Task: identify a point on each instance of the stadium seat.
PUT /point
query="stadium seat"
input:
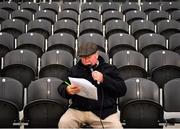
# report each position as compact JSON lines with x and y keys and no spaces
{"x":111,"y":15}
{"x":61,"y":41}
{"x":141,"y":27}
{"x":52,"y":6}
{"x":171,"y":102}
{"x":66,"y":26}
{"x":90,"y":15}
{"x":147,"y":7}
{"x":168,"y":28}
{"x":40,"y":26}
{"x":129,"y":6}
{"x":20,"y":65}
{"x":134,"y":15}
{"x":23,"y":15}
{"x":109,"y":6}
{"x":140,"y":107}
{"x":151,"y":42}
{"x":90,"y":26}
{"x":11,"y":102}
{"x":13,"y":26}
{"x":70,"y":6}
{"x":120,"y":41}
{"x":6,"y":43}
{"x":157,"y":16}
{"x":93,"y":37}
{"x":164,"y":65}
{"x":44,"y":104}
{"x":89,"y":6}
{"x":68,"y":15}
{"x":130,"y":64}
{"x":170,"y":6}
{"x":31,"y":6}
{"x":174,"y":43}
{"x":34,"y":42}
{"x":176,"y":15}
{"x":8,"y":6}
{"x":56,"y":63}
{"x":116,"y":26}
{"x":3,"y":15}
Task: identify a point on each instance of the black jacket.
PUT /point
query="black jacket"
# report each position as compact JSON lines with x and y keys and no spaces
{"x":112,"y":87}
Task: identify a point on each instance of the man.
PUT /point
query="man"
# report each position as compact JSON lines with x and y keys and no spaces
{"x":101,"y":113}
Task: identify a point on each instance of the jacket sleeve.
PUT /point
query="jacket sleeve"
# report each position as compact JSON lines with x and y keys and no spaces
{"x":113,"y":82}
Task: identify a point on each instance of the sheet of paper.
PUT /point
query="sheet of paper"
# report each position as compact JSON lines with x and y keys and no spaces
{"x":88,"y":90}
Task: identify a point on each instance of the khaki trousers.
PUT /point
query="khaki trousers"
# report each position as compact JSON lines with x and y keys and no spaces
{"x":73,"y":118}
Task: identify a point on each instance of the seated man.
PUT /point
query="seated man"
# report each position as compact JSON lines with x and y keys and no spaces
{"x":101,"y":113}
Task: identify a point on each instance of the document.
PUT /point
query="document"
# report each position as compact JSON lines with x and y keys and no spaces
{"x":87,"y":89}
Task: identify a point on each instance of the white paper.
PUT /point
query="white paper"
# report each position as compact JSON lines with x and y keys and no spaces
{"x":87,"y":89}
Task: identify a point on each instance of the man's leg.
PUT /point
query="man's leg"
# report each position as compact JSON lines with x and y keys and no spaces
{"x":111,"y":121}
{"x":71,"y":119}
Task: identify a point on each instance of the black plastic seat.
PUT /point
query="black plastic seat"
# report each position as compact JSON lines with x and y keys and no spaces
{"x":151,"y":42}
{"x":170,"y":6}
{"x":141,"y":27}
{"x":23,"y":15}
{"x":171,"y":102}
{"x":174,"y":43}
{"x":31,"y":6}
{"x":11,"y":102}
{"x":176,"y":15}
{"x":109,"y":6}
{"x":44,"y":104}
{"x":93,"y":37}
{"x":40,"y":26}
{"x":7,"y":43}
{"x":66,"y":26}
{"x":56,"y":63}
{"x":164,"y":65}
{"x":13,"y":26}
{"x":140,"y":107}
{"x":8,"y":6}
{"x":116,"y":26}
{"x":168,"y":28}
{"x":3,"y":15}
{"x":20,"y":65}
{"x":68,"y":15}
{"x":34,"y":42}
{"x":134,"y":15}
{"x":61,"y":41}
{"x":70,"y":6}
{"x":120,"y":41}
{"x":129,"y":6}
{"x":90,"y":6}
{"x":130,"y":64}
{"x":53,"y":6}
{"x":147,"y":7}
{"x":90,"y":15}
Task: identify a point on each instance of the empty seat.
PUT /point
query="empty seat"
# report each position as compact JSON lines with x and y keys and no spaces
{"x":109,"y":6}
{"x":147,"y":7}
{"x":129,"y":6}
{"x":40,"y":26}
{"x":13,"y":26}
{"x":176,"y":15}
{"x":171,"y":102}
{"x":56,"y":63}
{"x":90,"y":15}
{"x":174,"y":43}
{"x":31,"y":6}
{"x":20,"y":65}
{"x":11,"y":102}
{"x":140,"y":107}
{"x":120,"y":41}
{"x":70,"y":6}
{"x":164,"y":65}
{"x":90,"y":26}
{"x":141,"y":27}
{"x":53,"y":6}
{"x":33,"y":42}
{"x":93,"y":37}
{"x":8,"y":6}
{"x":90,"y":6}
{"x":130,"y":64}
{"x":170,"y":6}
{"x":6,"y":43}
{"x":168,"y":27}
{"x":23,"y":15}
{"x":134,"y":15}
{"x":46,"y":14}
{"x":151,"y":42}
{"x":156,"y":16}
{"x":104,"y":56}
{"x":68,"y":15}
{"x":116,"y":26}
{"x":111,"y":15}
{"x":61,"y":41}
{"x":3,"y":15}
{"x":44,"y":104}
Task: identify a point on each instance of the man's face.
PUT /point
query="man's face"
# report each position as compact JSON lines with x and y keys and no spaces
{"x":90,"y":60}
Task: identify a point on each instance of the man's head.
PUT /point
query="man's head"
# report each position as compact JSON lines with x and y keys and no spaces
{"x":88,"y":53}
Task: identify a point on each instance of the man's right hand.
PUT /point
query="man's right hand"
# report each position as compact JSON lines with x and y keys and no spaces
{"x":72,"y":89}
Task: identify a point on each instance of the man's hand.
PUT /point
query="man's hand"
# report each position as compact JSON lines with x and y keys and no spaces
{"x":98,"y":76}
{"x":72,"y":89}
